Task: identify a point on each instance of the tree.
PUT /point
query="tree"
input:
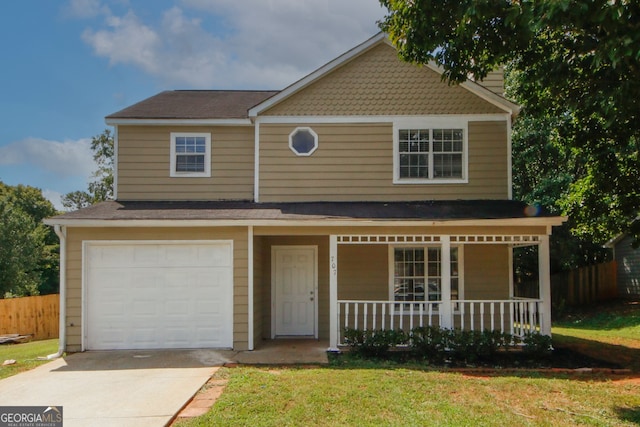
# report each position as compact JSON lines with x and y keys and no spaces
{"x":543,"y":172}
{"x":578,"y":67}
{"x":100,"y":188}
{"x":28,"y":249}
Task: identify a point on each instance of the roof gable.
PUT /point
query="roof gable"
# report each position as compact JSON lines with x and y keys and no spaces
{"x":356,"y":83}
{"x":371,"y":80}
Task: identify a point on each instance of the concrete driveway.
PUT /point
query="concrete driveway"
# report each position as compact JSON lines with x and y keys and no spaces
{"x":115,"y":388}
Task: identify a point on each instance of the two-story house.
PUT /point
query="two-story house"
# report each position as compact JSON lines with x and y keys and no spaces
{"x":369,"y":194}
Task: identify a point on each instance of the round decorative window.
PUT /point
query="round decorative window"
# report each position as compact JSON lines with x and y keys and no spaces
{"x":303,"y":141}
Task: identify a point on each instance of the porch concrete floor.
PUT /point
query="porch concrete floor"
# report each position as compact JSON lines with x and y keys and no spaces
{"x":285,"y":352}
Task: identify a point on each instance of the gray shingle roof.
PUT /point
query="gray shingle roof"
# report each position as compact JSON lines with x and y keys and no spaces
{"x":240,"y":210}
{"x":195,"y":104}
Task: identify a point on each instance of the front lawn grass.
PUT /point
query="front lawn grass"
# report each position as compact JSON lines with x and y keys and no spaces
{"x":25,"y":355}
{"x":387,"y":393}
{"x":606,"y":331}
{"x":261,"y":396}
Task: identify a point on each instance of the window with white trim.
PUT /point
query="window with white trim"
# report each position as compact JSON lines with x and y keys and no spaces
{"x":190,"y":155}
{"x":303,"y":141}
{"x":430,"y":152}
{"x":417,"y":273}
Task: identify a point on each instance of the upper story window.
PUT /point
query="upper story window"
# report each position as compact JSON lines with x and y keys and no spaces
{"x":190,"y":154}
{"x":430,"y":152}
{"x":303,"y":141}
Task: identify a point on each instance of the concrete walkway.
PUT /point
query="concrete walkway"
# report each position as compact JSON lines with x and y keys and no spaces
{"x":138,"y":387}
{"x":116,"y":388}
{"x":285,"y":352}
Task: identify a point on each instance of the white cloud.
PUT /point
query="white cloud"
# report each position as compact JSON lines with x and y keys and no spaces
{"x":235,"y":44}
{"x":127,"y":41}
{"x":63,"y":159}
{"x":54,"y":197}
{"x":85,"y":8}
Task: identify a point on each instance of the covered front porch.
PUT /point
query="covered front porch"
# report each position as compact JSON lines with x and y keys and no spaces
{"x":426,"y":279}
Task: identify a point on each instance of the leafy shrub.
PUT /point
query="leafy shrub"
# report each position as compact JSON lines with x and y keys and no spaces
{"x":489,"y":342}
{"x":373,"y":343}
{"x":537,"y":345}
{"x":438,"y":345}
{"x":429,"y":342}
{"x":469,"y":346}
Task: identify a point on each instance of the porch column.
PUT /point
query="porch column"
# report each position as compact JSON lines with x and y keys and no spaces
{"x":446,"y":313}
{"x":544,"y":282}
{"x":333,"y":293}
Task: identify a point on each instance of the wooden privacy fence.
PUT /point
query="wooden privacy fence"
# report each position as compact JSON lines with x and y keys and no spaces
{"x":36,"y":316}
{"x":586,"y":285}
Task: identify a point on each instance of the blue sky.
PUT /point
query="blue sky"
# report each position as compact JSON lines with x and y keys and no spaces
{"x":67,"y":64}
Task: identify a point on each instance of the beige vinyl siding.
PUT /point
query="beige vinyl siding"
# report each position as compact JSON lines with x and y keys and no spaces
{"x":265,"y":286}
{"x":363,"y":273}
{"x":75,"y":237}
{"x":258,"y":290}
{"x":495,"y":81}
{"x":486,"y":272}
{"x":354,"y":162}
{"x":377,"y":82}
{"x":144,"y":156}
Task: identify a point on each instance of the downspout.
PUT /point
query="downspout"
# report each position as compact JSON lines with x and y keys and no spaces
{"x":62,"y":330}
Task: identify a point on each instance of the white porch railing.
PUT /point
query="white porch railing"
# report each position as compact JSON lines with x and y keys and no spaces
{"x":514,"y":316}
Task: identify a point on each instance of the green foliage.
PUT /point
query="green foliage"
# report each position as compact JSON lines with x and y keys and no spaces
{"x":373,"y":343}
{"x":429,"y":343}
{"x":544,"y":167}
{"x":437,"y":345}
{"x":28,"y":248}
{"x":575,"y":68}
{"x":469,"y":346}
{"x":537,"y":345}
{"x":101,"y":186}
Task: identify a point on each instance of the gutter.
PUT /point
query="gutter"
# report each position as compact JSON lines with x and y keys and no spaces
{"x":316,"y":222}
{"x":61,"y":231}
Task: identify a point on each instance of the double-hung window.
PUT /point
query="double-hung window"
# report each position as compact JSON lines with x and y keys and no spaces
{"x":190,"y":155}
{"x":430,"y":152}
{"x":417,"y":273}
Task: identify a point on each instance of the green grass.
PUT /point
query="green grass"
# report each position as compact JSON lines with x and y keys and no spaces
{"x":372,"y":393}
{"x":614,"y":320}
{"x":25,"y":355}
{"x":607,"y":332}
{"x":413,"y":397}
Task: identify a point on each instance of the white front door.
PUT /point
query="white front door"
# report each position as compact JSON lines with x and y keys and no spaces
{"x":294,"y":290}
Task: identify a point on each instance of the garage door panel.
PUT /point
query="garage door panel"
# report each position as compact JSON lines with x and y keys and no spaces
{"x":179,"y":308}
{"x":159,"y":295}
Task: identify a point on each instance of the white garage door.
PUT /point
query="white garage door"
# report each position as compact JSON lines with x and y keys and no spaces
{"x":146,"y":295}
